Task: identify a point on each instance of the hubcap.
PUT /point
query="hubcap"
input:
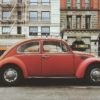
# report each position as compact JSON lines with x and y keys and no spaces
{"x":95,"y":75}
{"x":10,"y":75}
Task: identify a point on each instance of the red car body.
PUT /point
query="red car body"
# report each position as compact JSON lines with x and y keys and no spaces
{"x":55,"y":64}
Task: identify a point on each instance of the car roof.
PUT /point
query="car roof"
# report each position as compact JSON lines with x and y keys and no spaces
{"x":39,"y":38}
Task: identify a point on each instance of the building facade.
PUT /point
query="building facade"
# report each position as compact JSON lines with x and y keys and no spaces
{"x":81,"y":18}
{"x":20,"y":19}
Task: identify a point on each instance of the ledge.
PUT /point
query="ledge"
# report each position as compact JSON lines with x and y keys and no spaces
{"x":6,"y":36}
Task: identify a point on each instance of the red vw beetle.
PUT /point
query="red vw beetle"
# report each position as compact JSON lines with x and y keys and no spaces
{"x":47,"y":57}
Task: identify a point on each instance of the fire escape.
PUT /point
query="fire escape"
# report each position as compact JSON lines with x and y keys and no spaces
{"x":16,"y":14}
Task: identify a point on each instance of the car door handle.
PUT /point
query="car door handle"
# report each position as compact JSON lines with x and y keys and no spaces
{"x":45,"y":56}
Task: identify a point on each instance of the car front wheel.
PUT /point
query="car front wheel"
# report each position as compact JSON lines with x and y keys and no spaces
{"x":93,"y":74}
{"x":11,"y":75}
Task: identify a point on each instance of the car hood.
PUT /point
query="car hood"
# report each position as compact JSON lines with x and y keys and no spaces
{"x":83,"y":54}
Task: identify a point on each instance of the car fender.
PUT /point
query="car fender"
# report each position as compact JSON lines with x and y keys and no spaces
{"x":16,"y":61}
{"x":84,"y":65}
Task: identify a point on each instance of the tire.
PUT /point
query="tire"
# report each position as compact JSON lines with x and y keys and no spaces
{"x":11,"y":75}
{"x":92,"y":75}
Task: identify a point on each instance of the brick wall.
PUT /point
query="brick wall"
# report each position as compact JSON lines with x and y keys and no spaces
{"x":94,"y":4}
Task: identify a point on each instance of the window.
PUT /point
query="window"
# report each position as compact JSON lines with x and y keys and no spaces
{"x":68,"y":4}
{"x":46,"y":16}
{"x":87,"y":22}
{"x":31,"y":47}
{"x":78,"y":22}
{"x":19,"y":15}
{"x":87,"y":4}
{"x":45,"y":2}
{"x":33,"y":2}
{"x":19,"y":1}
{"x":5,"y":29}
{"x":33,"y":30}
{"x":33,"y":15}
{"x":5,"y":15}
{"x":54,"y":47}
{"x":5,"y":1}
{"x":69,"y":22}
{"x":45,"y":31}
{"x":19,"y":30}
{"x":78,"y":4}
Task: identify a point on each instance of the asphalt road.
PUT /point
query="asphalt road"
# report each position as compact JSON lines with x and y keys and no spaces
{"x":50,"y":89}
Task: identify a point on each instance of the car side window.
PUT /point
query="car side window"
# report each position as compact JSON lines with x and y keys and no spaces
{"x":30,"y":47}
{"x":54,"y":47}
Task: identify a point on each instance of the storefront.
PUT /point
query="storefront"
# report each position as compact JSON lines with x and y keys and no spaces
{"x":89,"y":38}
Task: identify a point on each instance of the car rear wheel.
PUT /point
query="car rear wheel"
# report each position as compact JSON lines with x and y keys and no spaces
{"x":11,"y":75}
{"x":93,"y":74}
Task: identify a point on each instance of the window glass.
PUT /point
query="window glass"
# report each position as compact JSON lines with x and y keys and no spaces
{"x":5,"y":29}
{"x":69,"y":22}
{"x":33,"y":31}
{"x":78,"y":22}
{"x":45,"y":2}
{"x":54,"y":47}
{"x":45,"y":31}
{"x":19,"y":1}
{"x":5,"y":1}
{"x":31,"y":47}
{"x":78,"y":4}
{"x":68,"y":3}
{"x":33,"y":2}
{"x":5,"y":15}
{"x":87,"y":22}
{"x":87,"y":4}
{"x":33,"y":15}
{"x":45,"y":15}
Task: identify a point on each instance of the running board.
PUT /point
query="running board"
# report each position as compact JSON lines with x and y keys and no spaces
{"x":53,"y":77}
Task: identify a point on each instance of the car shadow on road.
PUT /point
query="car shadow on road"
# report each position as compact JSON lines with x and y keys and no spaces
{"x":50,"y":83}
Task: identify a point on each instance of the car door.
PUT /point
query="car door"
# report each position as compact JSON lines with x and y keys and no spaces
{"x":30,"y":54}
{"x":57,"y":59}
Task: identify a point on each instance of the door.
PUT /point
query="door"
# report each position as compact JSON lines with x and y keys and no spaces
{"x":57,"y":59}
{"x":30,"y":54}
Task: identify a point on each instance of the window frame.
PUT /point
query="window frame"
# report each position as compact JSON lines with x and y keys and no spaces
{"x":45,"y":3}
{"x":20,"y":45}
{"x":87,"y":3}
{"x":3,"y":17}
{"x":5,"y":2}
{"x":33,"y":3}
{"x":33,"y":32}
{"x":43,"y":18}
{"x":70,"y":25}
{"x":78,"y":4}
{"x":86,"y":23}
{"x":55,"y":52}
{"x":67,"y":5}
{"x":32,"y":18}
{"x":42,"y":33}
{"x":5,"y":27}
{"x":80,"y":17}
